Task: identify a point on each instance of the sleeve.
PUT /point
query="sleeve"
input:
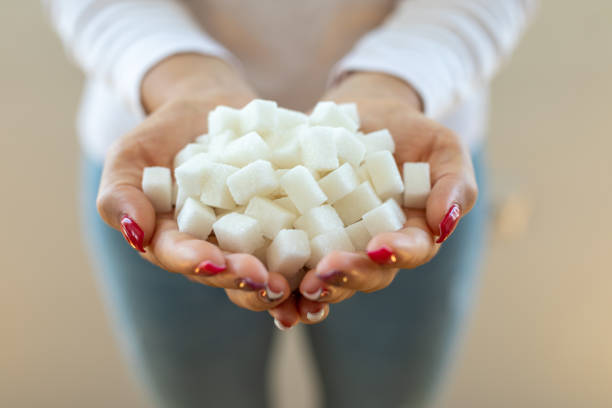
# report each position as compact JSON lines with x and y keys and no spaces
{"x":445,"y":49}
{"x":119,"y":41}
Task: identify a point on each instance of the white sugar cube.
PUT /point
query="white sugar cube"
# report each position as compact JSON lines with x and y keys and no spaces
{"x":223,"y":118}
{"x":359,"y":235}
{"x":386,"y":217}
{"x":288,"y":253}
{"x":214,"y":191}
{"x":287,"y":204}
{"x":157,"y":186}
{"x":196,"y":219}
{"x":417,"y":185}
{"x":321,"y":245}
{"x":339,"y":183}
{"x":203,"y":139}
{"x":352,"y":206}
{"x":350,"y":109}
{"x":302,"y":189}
{"x":287,"y":119}
{"x":188,"y":152}
{"x":379,"y":140}
{"x":219,"y":141}
{"x":246,"y":149}
{"x":287,"y":154}
{"x":238,"y":233}
{"x":329,"y":114}
{"x":318,"y":220}
{"x":258,"y":116}
{"x":257,"y":178}
{"x":181,"y":197}
{"x":319,"y":148}
{"x":350,"y":148}
{"x":271,"y":216}
{"x":384,"y":174}
{"x":362,"y":173}
{"x":190,"y":175}
{"x":261,"y":253}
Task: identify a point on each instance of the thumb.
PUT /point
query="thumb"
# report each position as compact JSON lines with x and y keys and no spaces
{"x":121,"y":202}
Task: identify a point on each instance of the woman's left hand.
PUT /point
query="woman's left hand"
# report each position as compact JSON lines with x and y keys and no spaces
{"x":387,"y":102}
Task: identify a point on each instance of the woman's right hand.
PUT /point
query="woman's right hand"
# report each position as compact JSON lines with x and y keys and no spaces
{"x":178,"y":93}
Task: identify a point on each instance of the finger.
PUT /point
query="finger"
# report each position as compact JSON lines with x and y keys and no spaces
{"x":408,"y":248}
{"x":353,"y":271}
{"x":179,"y":252}
{"x":286,"y":314}
{"x":316,"y":290}
{"x":258,"y":298}
{"x":121,"y":202}
{"x":312,"y":312}
{"x":454,"y":190}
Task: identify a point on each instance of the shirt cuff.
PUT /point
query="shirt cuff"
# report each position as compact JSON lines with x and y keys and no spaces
{"x":136,"y":61}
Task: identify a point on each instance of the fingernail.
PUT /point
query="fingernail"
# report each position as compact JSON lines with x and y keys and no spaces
{"x":132,"y":233}
{"x":280,"y":326}
{"x":209,"y":269}
{"x":315,"y":317}
{"x":449,"y":222}
{"x":382,"y":255}
{"x":336,"y":278}
{"x":319,"y":294}
{"x":248,"y":285}
{"x":269,"y":295}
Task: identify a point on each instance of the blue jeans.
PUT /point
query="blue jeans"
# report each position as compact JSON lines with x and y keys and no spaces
{"x":191,"y":347}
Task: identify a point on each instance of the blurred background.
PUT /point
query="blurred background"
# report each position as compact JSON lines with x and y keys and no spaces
{"x":541,"y":334}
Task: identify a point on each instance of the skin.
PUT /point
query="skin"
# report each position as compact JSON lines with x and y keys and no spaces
{"x":179,"y":92}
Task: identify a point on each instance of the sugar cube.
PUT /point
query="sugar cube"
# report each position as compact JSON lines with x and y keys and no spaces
{"x":287,"y":154}
{"x":238,"y":233}
{"x":321,"y":245}
{"x":196,"y":219}
{"x":203,"y":139}
{"x":246,"y":149}
{"x":339,"y":183}
{"x":288,"y":253}
{"x":223,"y":118}
{"x":384,"y":174}
{"x":417,"y":185}
{"x":271,"y":216}
{"x":188,"y":152}
{"x":362,"y":173}
{"x":379,"y":140}
{"x":219,"y":141}
{"x":386,"y":217}
{"x":287,"y":119}
{"x":302,"y":189}
{"x":350,"y":148}
{"x":352,"y":206}
{"x":359,"y":235}
{"x":261,"y":253}
{"x":214,"y":191}
{"x":350,"y":109}
{"x":319,"y":148}
{"x":257,"y":178}
{"x":318,"y":220}
{"x":287,"y":204}
{"x":329,"y":114}
{"x":157,"y":186}
{"x":181,"y":197}
{"x":259,"y":116}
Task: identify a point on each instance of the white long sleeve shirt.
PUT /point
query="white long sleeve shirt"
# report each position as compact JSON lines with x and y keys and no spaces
{"x":448,"y":50}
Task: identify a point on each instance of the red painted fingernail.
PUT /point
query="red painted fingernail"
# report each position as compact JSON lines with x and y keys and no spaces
{"x":449,"y":223}
{"x":281,"y":326}
{"x":210,"y":269}
{"x":248,"y":285}
{"x":132,"y":233}
{"x":336,"y":278}
{"x":382,"y":255}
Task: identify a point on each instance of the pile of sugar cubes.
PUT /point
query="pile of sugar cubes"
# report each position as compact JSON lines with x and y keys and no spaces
{"x":288,"y":187}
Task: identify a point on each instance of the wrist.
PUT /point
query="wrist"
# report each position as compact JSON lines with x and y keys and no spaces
{"x":190,"y":77}
{"x":359,"y":84}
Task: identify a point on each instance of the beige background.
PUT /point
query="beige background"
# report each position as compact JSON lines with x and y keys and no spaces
{"x":541,"y":335}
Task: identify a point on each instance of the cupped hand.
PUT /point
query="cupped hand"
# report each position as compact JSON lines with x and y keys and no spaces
{"x":387,"y":102}
{"x":178,"y":93}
